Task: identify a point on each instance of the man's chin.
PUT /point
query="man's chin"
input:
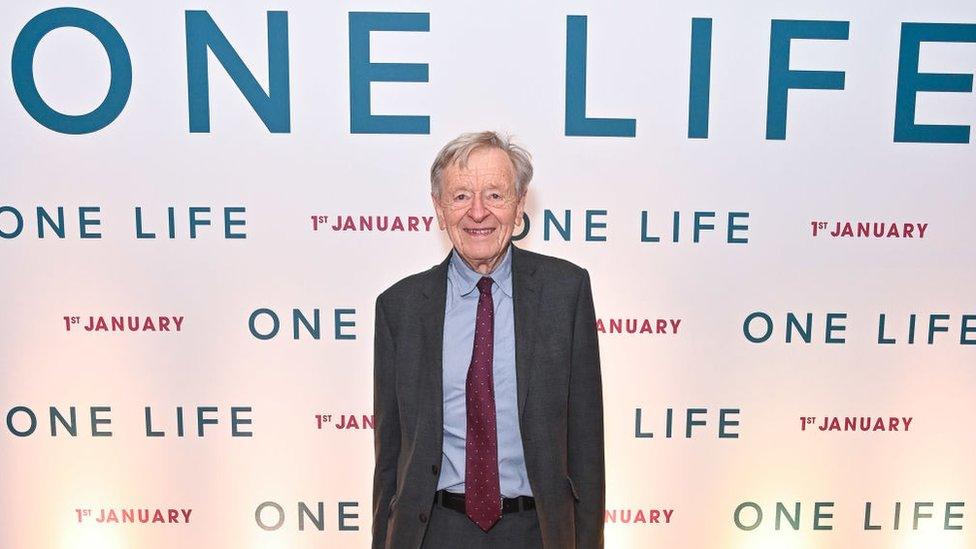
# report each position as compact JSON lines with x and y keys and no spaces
{"x":475,"y":256}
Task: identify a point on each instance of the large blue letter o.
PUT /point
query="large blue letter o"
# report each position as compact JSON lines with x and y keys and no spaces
{"x":22,"y":66}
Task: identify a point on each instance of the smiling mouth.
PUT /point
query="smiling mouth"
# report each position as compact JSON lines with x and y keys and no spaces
{"x":479,"y":232}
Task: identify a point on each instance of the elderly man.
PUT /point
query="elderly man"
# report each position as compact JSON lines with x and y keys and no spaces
{"x":487,"y":392}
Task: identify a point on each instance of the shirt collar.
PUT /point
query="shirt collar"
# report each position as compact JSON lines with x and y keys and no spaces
{"x":466,"y":279}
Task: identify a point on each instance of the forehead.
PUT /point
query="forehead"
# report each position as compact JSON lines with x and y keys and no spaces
{"x":485,"y":166}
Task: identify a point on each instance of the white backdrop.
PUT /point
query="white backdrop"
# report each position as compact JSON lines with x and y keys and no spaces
{"x":501,"y":66}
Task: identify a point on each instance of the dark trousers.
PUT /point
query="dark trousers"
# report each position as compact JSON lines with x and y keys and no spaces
{"x":449,"y":529}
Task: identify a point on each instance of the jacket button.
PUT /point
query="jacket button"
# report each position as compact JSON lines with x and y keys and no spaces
{"x":423,"y":517}
{"x":435,"y":469}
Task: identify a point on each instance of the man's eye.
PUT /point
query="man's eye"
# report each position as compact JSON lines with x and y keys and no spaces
{"x":495,"y":196}
{"x":460,"y":196}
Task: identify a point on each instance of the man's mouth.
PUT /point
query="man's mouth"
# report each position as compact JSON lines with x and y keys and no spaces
{"x":480,"y":232}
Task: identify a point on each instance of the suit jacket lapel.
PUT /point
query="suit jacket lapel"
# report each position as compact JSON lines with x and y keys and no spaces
{"x":525,"y":295}
{"x":432,"y":317}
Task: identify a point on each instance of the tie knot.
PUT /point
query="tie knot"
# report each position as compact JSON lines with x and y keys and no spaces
{"x":484,"y":285}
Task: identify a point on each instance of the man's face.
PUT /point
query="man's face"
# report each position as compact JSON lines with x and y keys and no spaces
{"x":479,"y":208}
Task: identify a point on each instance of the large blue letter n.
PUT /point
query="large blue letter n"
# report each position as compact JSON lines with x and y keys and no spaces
{"x":273,"y":107}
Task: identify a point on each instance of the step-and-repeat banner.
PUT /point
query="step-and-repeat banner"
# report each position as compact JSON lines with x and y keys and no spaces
{"x":200,"y":202}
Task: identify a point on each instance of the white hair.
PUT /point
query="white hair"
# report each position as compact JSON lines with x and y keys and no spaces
{"x":458,"y":149}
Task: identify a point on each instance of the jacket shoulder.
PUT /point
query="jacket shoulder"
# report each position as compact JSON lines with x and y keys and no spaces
{"x":551,"y":267}
{"x":411,"y":285}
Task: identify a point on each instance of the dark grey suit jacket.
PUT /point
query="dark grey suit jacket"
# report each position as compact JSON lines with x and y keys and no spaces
{"x":560,"y":401}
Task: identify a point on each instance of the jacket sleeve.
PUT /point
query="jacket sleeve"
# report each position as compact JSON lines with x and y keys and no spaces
{"x":386,"y":434}
{"x":585,"y":420}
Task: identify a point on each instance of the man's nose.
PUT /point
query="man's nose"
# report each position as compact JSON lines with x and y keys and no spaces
{"x":477,"y":212}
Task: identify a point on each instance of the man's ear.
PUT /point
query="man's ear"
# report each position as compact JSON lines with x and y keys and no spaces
{"x":438,"y":211}
{"x":519,"y":209}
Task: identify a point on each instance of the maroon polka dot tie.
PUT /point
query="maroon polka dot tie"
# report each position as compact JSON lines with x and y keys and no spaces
{"x":482,"y":495}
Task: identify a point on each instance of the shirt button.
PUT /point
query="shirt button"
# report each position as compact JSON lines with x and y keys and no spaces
{"x":435,"y":469}
{"x":423,"y":517}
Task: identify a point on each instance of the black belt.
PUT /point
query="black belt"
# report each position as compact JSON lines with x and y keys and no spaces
{"x":455,"y":502}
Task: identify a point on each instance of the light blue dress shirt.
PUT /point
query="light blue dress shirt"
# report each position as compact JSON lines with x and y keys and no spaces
{"x":459,"y":320}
